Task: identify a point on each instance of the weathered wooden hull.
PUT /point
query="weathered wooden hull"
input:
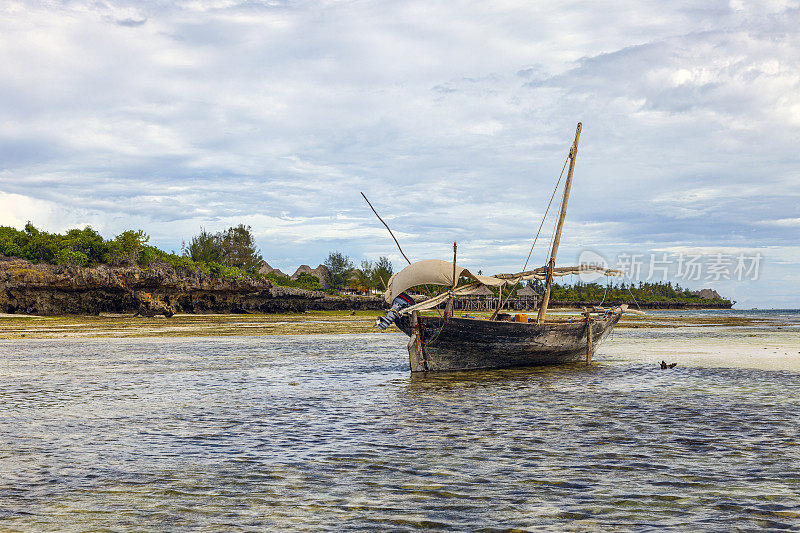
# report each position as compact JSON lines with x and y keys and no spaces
{"x":468,"y":344}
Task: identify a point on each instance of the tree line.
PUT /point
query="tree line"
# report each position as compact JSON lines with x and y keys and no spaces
{"x":78,"y":247}
{"x":235,"y":247}
{"x":613,"y":291}
{"x":621,"y":291}
{"x":230,"y":253}
{"x":341,"y":273}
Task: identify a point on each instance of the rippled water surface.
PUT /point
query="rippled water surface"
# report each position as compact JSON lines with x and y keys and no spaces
{"x":333,"y":432}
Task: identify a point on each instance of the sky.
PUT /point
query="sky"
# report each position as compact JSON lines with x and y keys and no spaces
{"x":453,"y":117}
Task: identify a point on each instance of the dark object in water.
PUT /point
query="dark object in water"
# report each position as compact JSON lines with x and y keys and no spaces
{"x":402,"y":301}
{"x":665,"y":365}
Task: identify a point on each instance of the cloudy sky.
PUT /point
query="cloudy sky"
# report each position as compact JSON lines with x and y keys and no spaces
{"x":453,"y":117}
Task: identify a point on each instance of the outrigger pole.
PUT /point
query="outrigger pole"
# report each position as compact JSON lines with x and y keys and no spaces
{"x":387,"y":227}
{"x":390,"y":233}
{"x":573,"y":153}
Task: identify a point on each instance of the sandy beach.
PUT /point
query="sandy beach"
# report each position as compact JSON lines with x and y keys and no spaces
{"x":761,"y":340}
{"x":311,"y":322}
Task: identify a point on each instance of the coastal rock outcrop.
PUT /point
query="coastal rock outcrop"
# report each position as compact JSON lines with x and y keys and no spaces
{"x":707,"y":294}
{"x":46,"y":289}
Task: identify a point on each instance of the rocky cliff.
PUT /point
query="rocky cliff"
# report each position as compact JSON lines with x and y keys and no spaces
{"x":707,"y":294}
{"x":45,"y":289}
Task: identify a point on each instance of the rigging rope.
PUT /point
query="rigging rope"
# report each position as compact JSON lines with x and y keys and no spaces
{"x":443,"y":319}
{"x":634,"y":298}
{"x":553,"y":237}
{"x":442,"y":323}
{"x":545,"y":214}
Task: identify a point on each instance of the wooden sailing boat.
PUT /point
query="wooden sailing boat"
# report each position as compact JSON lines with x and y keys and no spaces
{"x":446,"y":343}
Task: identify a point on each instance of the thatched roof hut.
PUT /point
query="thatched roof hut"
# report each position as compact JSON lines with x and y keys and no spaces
{"x":527,"y":291}
{"x":483,"y":290}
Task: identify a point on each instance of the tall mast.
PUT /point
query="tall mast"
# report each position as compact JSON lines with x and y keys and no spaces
{"x":448,"y":308}
{"x":573,"y":153}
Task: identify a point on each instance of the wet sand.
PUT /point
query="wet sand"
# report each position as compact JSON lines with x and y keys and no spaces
{"x":309,"y":323}
{"x":332,"y":432}
{"x":758,"y":340}
{"x":239,"y":423}
{"x":316,"y":322}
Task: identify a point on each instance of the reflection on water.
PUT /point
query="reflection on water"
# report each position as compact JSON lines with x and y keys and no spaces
{"x":332,"y":432}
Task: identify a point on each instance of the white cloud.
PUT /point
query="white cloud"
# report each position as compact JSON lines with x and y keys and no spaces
{"x":783,"y":222}
{"x":16,"y":210}
{"x":454,"y":117}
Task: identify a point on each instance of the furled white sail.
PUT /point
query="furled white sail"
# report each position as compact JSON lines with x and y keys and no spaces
{"x":437,"y":272}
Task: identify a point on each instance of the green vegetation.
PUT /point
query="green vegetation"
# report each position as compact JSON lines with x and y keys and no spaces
{"x":340,"y":268}
{"x":77,"y":247}
{"x":620,"y":291}
{"x":230,"y":254}
{"x":303,"y":281}
{"x":643,"y":292}
{"x":596,"y":293}
{"x":371,"y":276}
{"x":235,"y":247}
{"x":307,"y":281}
{"x":380,"y":272}
{"x":86,"y":247}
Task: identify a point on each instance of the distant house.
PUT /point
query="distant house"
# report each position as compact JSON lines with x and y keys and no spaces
{"x":483,"y":290}
{"x":321,"y":273}
{"x":300,"y":270}
{"x":266,"y":269}
{"x":527,"y":291}
{"x":527,"y":298}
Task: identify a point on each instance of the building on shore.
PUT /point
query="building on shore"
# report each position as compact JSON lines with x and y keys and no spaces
{"x":321,"y":273}
{"x":266,"y":269}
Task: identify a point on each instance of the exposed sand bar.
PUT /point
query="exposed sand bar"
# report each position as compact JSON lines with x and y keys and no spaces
{"x":759,"y":348}
{"x":312,"y":322}
{"x":331,"y":322}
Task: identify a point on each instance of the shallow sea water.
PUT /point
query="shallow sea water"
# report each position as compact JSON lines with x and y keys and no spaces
{"x":332,"y":432}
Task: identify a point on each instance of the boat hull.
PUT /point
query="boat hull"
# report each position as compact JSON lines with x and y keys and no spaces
{"x":468,"y":344}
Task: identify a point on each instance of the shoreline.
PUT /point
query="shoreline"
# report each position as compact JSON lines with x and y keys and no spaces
{"x":316,"y":322}
{"x":43,"y":289}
